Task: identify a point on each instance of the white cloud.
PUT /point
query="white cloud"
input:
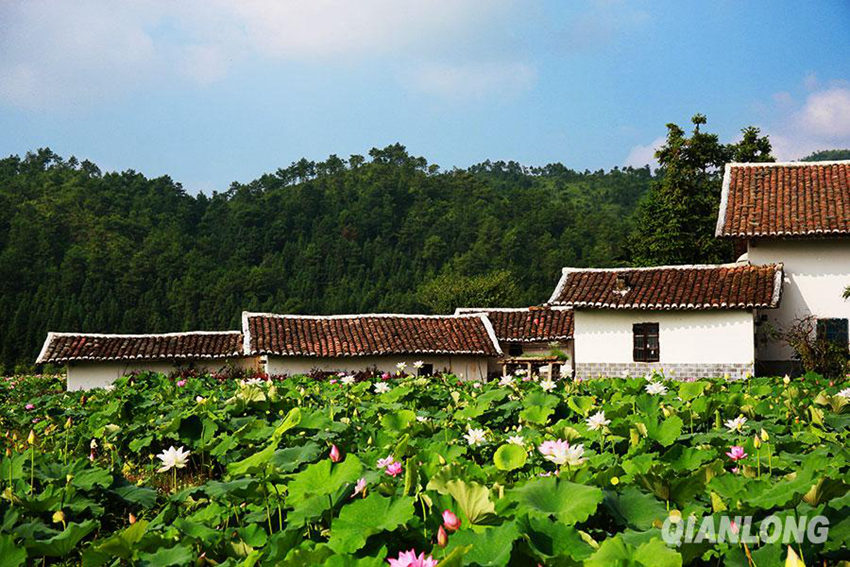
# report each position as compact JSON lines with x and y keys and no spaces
{"x":640,"y":156}
{"x":53,"y":51}
{"x":821,"y":122}
{"x":474,"y":80}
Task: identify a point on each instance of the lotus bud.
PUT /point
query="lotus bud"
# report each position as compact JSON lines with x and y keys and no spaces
{"x":450,"y":520}
{"x":764,"y":436}
{"x":132,"y":519}
{"x":31,"y":437}
{"x":68,"y":423}
{"x":786,"y":379}
{"x":756,"y":442}
{"x":334,"y":454}
{"x":8,"y":452}
{"x":442,"y":537}
{"x":59,"y":517}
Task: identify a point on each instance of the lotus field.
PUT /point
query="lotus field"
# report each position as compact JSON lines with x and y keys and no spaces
{"x":406,"y":471}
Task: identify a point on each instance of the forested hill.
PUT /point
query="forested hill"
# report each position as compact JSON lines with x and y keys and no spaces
{"x":82,"y":250}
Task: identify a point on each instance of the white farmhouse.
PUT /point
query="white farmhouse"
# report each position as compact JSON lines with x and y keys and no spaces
{"x":97,"y":360}
{"x":797,"y":214}
{"x":690,"y":321}
{"x":299,"y":344}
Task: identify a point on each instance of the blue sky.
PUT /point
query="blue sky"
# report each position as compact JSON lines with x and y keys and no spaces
{"x":220,"y":90}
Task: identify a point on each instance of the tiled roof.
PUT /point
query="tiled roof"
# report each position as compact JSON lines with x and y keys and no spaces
{"x":785,"y":199}
{"x":67,"y":347}
{"x":528,"y":324}
{"x":363,"y":335}
{"x":728,"y":286}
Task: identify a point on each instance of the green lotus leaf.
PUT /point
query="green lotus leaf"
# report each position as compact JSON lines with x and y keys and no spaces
{"x":490,"y":546}
{"x":569,"y":502}
{"x":366,"y":517}
{"x":510,"y":457}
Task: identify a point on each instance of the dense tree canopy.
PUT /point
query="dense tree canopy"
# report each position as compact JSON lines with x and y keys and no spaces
{"x":82,"y":250}
{"x":675,"y":222}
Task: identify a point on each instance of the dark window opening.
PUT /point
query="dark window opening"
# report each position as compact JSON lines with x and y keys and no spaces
{"x":834,"y":331}
{"x":515,"y":349}
{"x":426,"y":370}
{"x":646,"y":347}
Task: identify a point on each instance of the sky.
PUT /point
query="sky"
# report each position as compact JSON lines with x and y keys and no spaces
{"x":215,"y":91}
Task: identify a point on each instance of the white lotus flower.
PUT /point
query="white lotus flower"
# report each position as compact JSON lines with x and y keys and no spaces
{"x":548,"y":384}
{"x":475,"y":436}
{"x":736,"y":424}
{"x":401,"y":366}
{"x":348,"y":380}
{"x":506,"y":381}
{"x":845,"y":393}
{"x":381,"y":387}
{"x":597,"y":421}
{"x":656,"y":388}
{"x":575,"y":455}
{"x":418,"y":364}
{"x":253,"y":382}
{"x":173,"y":458}
{"x":516,"y":440}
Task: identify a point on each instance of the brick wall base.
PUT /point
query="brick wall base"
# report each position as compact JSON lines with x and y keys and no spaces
{"x":681,"y":371}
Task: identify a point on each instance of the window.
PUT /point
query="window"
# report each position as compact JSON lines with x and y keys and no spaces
{"x":426,"y":370}
{"x":645,"y":342}
{"x":834,"y":331}
{"x":514,"y":349}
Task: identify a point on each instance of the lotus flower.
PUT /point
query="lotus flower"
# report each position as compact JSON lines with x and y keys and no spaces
{"x":410,"y":559}
{"x":29,"y":406}
{"x":506,"y":381}
{"x":401,"y":366}
{"x":181,"y":383}
{"x":656,"y":388}
{"x":394,"y":469}
{"x":173,"y":458}
{"x":845,"y":393}
{"x":475,"y":437}
{"x":736,"y":453}
{"x":597,"y":421}
{"x":548,"y":384}
{"x":360,"y":487}
{"x":442,"y":537}
{"x":418,"y":364}
{"x":334,"y":454}
{"x":385,"y":376}
{"x":516,"y":440}
{"x":561,"y":453}
{"x":451,"y":521}
{"x":383,"y":463}
{"x":381,"y":388}
{"x":736,"y":424}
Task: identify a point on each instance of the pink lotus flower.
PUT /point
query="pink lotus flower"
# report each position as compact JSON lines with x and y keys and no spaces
{"x":334,"y":454}
{"x":383,"y":463}
{"x":394,"y":469}
{"x":736,"y":453}
{"x":442,"y":537}
{"x":385,"y":376}
{"x":181,"y":383}
{"x":410,"y":559}
{"x":451,"y":521}
{"x":29,"y":406}
{"x":360,"y":487}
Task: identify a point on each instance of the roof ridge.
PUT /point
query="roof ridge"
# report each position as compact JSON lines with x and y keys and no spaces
{"x":787,"y":163}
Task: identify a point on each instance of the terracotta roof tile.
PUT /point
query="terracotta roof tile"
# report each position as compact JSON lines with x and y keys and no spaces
{"x":363,"y":335}
{"x":789,"y":199}
{"x":67,"y":347}
{"x":729,"y":286}
{"x":533,"y":324}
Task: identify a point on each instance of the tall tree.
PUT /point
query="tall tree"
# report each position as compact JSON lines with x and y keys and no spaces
{"x":675,"y":221}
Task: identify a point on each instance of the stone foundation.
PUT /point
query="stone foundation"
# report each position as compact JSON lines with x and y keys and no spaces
{"x":679,"y":371}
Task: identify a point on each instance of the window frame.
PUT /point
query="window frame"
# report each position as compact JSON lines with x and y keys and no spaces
{"x":835,"y":330}
{"x":642,"y":335}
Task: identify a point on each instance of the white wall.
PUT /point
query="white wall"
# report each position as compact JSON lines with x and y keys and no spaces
{"x":465,"y":366}
{"x":693,"y":337}
{"x":94,"y":374}
{"x":816,"y":273}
